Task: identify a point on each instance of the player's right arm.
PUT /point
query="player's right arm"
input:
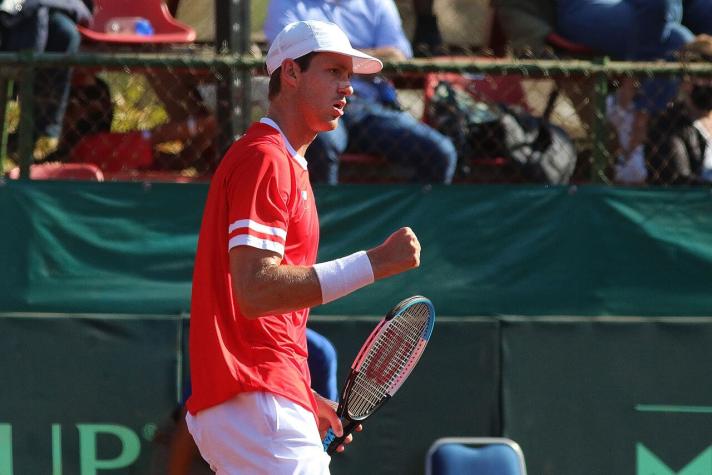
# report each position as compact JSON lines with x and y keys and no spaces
{"x":263,"y":286}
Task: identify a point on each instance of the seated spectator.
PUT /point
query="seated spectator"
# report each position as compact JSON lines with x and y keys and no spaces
{"x":526,"y":23}
{"x":45,"y":26}
{"x":679,"y":150}
{"x":427,"y":40}
{"x":87,"y":134}
{"x":199,"y":14}
{"x":640,"y":31}
{"x":630,"y":131}
{"x":191,"y":121}
{"x":527,"y":26}
{"x":634,"y":30}
{"x":372,"y":122}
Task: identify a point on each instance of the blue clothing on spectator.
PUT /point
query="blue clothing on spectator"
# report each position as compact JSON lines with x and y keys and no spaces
{"x":372,"y":122}
{"x":637,"y":30}
{"x":79,"y":11}
{"x":322,"y":365}
{"x":634,"y":29}
{"x":622,"y":29}
{"x":46,"y":26}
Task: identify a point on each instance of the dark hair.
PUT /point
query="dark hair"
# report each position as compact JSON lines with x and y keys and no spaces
{"x":701,"y":97}
{"x":275,"y":84}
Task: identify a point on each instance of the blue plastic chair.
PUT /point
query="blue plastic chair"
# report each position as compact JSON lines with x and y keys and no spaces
{"x":476,"y":456}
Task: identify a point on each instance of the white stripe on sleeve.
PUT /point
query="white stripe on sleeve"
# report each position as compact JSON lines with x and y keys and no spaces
{"x":252,"y":241}
{"x":260,"y":228}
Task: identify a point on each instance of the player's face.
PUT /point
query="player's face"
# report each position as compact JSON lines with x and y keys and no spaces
{"x":323,"y":90}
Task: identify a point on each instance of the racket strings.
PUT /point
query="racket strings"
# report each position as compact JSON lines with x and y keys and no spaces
{"x":389,"y":360}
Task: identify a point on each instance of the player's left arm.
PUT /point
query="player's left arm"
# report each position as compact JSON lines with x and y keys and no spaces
{"x":386,"y":53}
{"x":261,"y":285}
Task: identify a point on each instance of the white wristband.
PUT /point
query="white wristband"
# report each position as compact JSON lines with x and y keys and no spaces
{"x":342,"y":276}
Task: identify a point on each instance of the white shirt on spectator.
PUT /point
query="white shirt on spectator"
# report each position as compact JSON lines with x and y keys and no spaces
{"x":631,"y":169}
{"x":706,"y":172}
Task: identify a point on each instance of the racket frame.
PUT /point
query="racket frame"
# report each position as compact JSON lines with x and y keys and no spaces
{"x":331,"y":442}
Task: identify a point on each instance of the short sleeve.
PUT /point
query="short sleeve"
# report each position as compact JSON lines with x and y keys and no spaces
{"x":258,"y":194}
{"x":389,"y":28}
{"x":280,"y":13}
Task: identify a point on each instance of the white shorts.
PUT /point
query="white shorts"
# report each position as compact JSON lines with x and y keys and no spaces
{"x":259,"y":433}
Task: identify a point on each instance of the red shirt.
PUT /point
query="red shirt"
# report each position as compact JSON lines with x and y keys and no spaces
{"x":259,"y":196}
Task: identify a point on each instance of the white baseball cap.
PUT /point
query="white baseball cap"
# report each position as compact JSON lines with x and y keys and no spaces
{"x":303,"y":37}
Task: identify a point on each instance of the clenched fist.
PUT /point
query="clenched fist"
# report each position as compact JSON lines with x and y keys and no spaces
{"x":399,"y":253}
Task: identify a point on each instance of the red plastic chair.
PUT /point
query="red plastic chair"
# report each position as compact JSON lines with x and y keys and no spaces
{"x":61,"y":171}
{"x":115,"y":151}
{"x":488,"y":88}
{"x":154,"y":176}
{"x":568,"y":48}
{"x":166,"y":28}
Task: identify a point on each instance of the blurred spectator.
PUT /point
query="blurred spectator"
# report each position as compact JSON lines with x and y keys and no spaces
{"x":322,"y":363}
{"x":630,"y":131}
{"x":635,"y":30}
{"x":527,"y":26}
{"x":191,"y":120}
{"x":639,"y":30}
{"x":45,"y":26}
{"x":526,"y":23}
{"x":679,"y":150}
{"x":199,"y":14}
{"x":427,"y":40}
{"x":621,"y":29}
{"x":373,"y":122}
{"x":87,"y":137}
{"x":90,"y":110}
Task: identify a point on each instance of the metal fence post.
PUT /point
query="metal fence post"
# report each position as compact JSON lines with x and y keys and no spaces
{"x":598,"y":169}
{"x":6,"y":86}
{"x":232,"y":36}
{"x":26,"y":132}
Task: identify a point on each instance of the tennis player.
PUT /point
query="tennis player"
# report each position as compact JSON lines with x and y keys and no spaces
{"x":252,"y":410}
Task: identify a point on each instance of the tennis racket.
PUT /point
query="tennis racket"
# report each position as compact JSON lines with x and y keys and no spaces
{"x":382,"y":365}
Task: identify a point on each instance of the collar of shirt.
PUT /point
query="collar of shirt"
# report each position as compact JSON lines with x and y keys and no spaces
{"x":300,"y":160}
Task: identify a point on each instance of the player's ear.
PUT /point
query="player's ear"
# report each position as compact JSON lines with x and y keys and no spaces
{"x":290,"y":71}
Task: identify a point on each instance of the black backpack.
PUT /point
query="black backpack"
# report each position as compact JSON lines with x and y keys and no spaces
{"x":540,"y":150}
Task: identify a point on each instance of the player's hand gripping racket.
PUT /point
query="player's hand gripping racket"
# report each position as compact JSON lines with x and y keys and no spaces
{"x":383,"y":363}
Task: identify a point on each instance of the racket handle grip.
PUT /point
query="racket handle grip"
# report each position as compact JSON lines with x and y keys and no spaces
{"x":328,"y":439}
{"x":331,"y":442}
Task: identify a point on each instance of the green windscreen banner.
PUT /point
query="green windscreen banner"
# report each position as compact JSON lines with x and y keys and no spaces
{"x":487,"y":250}
{"x":612,"y":395}
{"x":98,"y":394}
{"x":87,"y":394}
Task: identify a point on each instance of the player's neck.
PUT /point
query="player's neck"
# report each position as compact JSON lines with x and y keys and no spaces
{"x":292,"y":126}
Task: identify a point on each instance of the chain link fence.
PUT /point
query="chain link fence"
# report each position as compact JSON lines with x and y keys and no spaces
{"x":147,"y":116}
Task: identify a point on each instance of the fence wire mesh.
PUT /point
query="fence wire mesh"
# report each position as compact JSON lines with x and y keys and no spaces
{"x":157,"y":116}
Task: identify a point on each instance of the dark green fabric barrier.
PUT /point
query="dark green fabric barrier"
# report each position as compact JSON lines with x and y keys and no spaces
{"x":95,"y":394}
{"x":487,"y":250}
{"x":535,"y":251}
{"x":98,"y":247}
{"x":86,"y":394}
{"x":613,"y":396}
